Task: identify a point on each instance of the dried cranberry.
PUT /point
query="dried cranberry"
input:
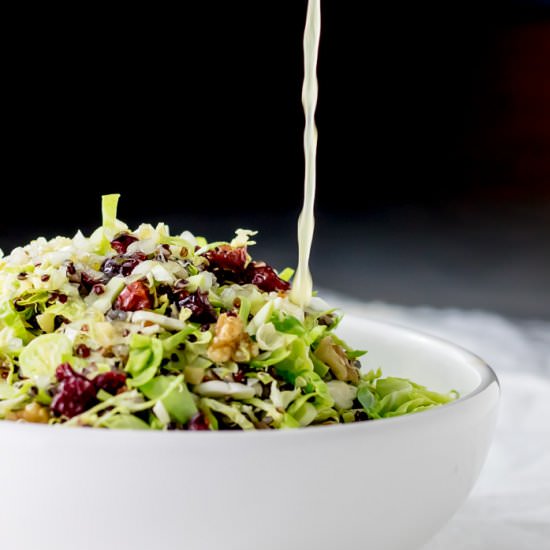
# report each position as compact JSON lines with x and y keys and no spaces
{"x":74,"y":393}
{"x":82,"y":350}
{"x":265,"y":277}
{"x":122,"y":241}
{"x":227,"y":257}
{"x":122,"y":264}
{"x":239,"y":376}
{"x":64,"y":371}
{"x":111,"y":381}
{"x":198,"y":422}
{"x":87,"y":282}
{"x":201,"y":310}
{"x":134,"y":297}
{"x":227,"y":263}
{"x":98,"y":288}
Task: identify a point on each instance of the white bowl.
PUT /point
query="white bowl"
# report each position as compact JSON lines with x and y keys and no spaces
{"x":388,"y":484}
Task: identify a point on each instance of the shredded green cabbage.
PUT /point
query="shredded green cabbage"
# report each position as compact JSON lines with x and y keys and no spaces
{"x":147,"y":330}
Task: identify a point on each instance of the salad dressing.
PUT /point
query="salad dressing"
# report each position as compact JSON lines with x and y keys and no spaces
{"x":302,"y":287}
{"x":129,"y":302}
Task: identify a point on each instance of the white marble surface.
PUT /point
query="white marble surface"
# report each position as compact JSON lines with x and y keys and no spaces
{"x":509,"y":509}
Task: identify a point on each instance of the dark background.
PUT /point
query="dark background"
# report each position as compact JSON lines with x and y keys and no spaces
{"x":434,"y":138}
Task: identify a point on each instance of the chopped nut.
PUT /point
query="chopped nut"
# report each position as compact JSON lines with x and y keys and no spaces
{"x":33,"y":412}
{"x":231,"y":341}
{"x":245,"y":351}
{"x":36,"y":413}
{"x":335,"y":357}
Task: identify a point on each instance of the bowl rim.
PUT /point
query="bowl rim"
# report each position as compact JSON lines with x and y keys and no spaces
{"x":487,"y":375}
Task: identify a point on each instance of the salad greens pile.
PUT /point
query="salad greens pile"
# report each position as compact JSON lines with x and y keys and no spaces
{"x":145,"y":330}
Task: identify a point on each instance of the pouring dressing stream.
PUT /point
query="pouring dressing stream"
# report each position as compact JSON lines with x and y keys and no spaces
{"x":302,"y":286}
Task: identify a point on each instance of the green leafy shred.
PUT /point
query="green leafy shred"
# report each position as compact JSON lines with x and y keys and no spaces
{"x":144,"y":359}
{"x":146,"y":330}
{"x":387,"y":397}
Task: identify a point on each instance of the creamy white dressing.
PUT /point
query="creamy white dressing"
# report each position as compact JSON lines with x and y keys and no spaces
{"x":302,"y":286}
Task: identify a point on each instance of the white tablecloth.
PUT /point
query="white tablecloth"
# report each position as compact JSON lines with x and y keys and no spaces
{"x":509,"y":508}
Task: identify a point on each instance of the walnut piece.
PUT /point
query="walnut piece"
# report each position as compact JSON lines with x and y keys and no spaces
{"x":335,"y":357}
{"x":231,"y":342}
{"x":33,"y":412}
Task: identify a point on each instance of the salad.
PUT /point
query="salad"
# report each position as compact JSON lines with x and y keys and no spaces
{"x":145,"y":330}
